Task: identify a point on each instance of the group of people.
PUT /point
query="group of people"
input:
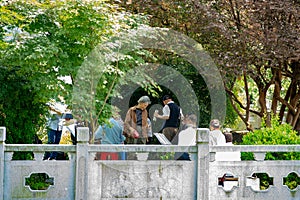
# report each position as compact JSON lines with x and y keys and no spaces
{"x":136,"y":128}
{"x":137,"y":125}
{"x":58,"y":118}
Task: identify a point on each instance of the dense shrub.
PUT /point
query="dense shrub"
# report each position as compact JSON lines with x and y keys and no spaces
{"x":276,"y":134}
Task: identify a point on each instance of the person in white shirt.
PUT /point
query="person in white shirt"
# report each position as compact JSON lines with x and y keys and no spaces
{"x":54,"y":127}
{"x":172,"y":114}
{"x":187,"y":136}
{"x":216,"y":137}
{"x":228,"y":156}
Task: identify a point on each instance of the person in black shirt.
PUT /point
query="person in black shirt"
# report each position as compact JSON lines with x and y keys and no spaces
{"x":172,"y":114}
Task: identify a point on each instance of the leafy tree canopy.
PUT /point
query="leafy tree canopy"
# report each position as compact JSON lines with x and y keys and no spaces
{"x":42,"y":42}
{"x":256,"y":42}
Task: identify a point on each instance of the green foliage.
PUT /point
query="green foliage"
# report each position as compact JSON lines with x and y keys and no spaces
{"x":265,"y":180}
{"x":167,"y":156}
{"x":47,"y":41}
{"x":276,"y":134}
{"x":42,"y":41}
{"x":291,"y":181}
{"x":39,"y":181}
{"x":22,"y":156}
{"x":231,"y":116}
{"x":36,"y":52}
{"x":19,"y":112}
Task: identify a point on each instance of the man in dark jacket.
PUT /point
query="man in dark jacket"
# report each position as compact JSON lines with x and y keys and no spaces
{"x":172,"y":114}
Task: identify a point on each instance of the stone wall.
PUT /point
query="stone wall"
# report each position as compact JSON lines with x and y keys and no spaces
{"x":84,"y":178}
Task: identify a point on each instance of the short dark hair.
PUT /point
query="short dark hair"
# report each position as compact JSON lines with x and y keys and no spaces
{"x":166,"y":97}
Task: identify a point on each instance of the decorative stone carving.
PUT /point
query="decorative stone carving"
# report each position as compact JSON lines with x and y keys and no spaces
{"x":165,"y":183}
{"x":259,"y":156}
{"x":142,"y":156}
{"x":38,"y":156}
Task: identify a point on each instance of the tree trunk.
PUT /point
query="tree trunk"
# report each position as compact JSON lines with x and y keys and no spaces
{"x":277,"y":89}
{"x":283,"y":105}
{"x":294,"y":96}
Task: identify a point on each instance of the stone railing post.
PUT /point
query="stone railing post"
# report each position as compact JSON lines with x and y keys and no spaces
{"x":2,"y":143}
{"x":203,"y":164}
{"x":82,"y":157}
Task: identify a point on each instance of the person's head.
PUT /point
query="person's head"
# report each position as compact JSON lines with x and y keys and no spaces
{"x":185,"y":119}
{"x":115,"y":112}
{"x":214,"y":124}
{"x":143,"y":102}
{"x":166,"y":99}
{"x":67,"y":116}
{"x":228,"y":137}
{"x":191,"y":119}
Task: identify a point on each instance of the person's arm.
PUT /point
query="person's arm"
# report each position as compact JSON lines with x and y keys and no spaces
{"x":98,"y":135}
{"x":166,"y":113}
{"x":128,"y":130}
{"x":181,"y":114}
{"x":118,"y":132}
{"x":55,"y":110}
{"x":121,"y":137}
{"x":162,"y":117}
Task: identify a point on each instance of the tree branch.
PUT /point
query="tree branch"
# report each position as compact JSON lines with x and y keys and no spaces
{"x":284,"y":102}
{"x":247,"y":96}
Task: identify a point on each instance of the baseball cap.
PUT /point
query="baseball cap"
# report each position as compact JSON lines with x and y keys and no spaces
{"x":67,"y":116}
{"x":144,"y":99}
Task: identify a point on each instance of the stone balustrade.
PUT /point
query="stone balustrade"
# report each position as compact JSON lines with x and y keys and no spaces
{"x":82,"y":177}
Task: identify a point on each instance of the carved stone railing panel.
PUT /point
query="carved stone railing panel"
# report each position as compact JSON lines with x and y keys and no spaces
{"x":82,"y":177}
{"x":244,"y":171}
{"x":16,"y":173}
{"x":143,"y":180}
